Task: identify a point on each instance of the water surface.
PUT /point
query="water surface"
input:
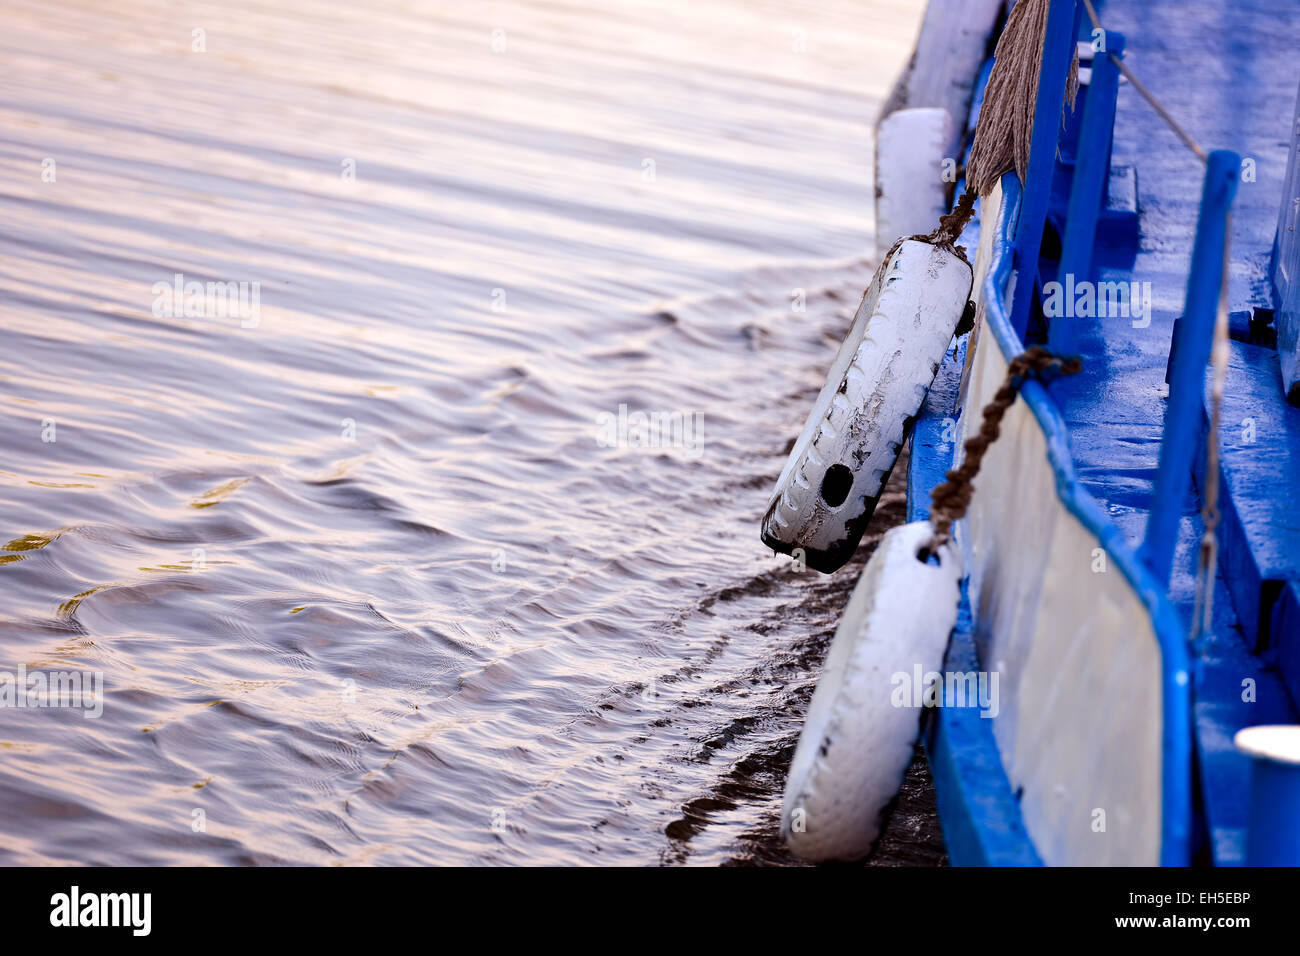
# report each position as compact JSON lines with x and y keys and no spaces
{"x":363,"y":581}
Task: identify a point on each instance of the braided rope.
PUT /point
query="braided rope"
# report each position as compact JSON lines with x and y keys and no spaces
{"x":949,"y":501}
{"x":1006,"y":121}
{"x":951,"y":225}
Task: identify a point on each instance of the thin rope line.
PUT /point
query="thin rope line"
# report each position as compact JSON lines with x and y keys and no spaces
{"x":1146,"y":94}
{"x":1203,"y":614}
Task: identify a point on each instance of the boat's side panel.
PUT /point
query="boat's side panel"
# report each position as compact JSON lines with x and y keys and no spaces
{"x":978,"y":810}
{"x":981,"y":819}
{"x":1093,"y":726}
{"x":1078,"y":663}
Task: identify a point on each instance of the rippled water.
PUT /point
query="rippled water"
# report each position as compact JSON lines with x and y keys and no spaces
{"x":363,"y":580}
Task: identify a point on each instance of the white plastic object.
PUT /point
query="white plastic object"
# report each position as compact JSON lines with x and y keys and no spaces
{"x":828,"y":490}
{"x":914,"y":172}
{"x":856,"y":744}
{"x":1279,"y":743}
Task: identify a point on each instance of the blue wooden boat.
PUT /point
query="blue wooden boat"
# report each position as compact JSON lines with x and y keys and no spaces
{"x":1115,"y":740}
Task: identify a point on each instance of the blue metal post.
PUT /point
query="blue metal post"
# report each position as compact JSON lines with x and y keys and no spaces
{"x":1089,"y":187}
{"x":1058,"y":53}
{"x":1186,"y":405}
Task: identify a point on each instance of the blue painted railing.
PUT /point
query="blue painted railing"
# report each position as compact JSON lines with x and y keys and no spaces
{"x":1183,"y":414}
{"x":1147,"y":569}
{"x":1058,"y":54}
{"x":1191,"y":350}
{"x":1088,"y":191}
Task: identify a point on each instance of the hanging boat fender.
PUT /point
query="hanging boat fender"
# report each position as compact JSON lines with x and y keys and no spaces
{"x":911,"y":180}
{"x":862,"y":724}
{"x":858,"y":737}
{"x":829,"y":487}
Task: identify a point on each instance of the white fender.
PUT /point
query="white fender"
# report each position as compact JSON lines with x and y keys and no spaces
{"x":856,"y":744}
{"x":911,"y":190}
{"x":828,"y":490}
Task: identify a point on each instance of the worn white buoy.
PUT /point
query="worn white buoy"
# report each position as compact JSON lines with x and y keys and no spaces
{"x":856,"y":744}
{"x":862,"y":725}
{"x":828,"y":490}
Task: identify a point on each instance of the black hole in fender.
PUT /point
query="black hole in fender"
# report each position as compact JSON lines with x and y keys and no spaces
{"x":836,"y":485}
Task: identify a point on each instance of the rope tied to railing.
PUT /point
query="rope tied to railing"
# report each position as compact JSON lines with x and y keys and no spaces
{"x":951,"y":225}
{"x":949,"y":501}
{"x":1004,"y":132}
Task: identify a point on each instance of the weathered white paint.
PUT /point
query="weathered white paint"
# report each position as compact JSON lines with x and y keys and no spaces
{"x":856,"y":744}
{"x":1277,"y":742}
{"x":949,"y":53}
{"x":878,"y":381}
{"x":1080,"y":723}
{"x":911,"y":191}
